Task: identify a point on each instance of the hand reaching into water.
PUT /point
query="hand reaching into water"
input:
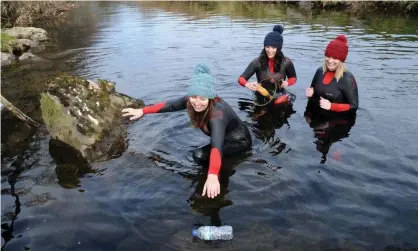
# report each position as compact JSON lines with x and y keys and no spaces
{"x":134,"y":113}
{"x":212,"y":187}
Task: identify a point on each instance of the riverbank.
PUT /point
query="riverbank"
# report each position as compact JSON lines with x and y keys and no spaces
{"x":410,"y":7}
{"x":24,"y":13}
{"x":365,"y":187}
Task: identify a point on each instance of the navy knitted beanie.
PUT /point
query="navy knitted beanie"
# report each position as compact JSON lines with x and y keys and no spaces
{"x":275,"y":38}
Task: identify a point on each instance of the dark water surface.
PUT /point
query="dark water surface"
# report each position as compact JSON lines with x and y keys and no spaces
{"x":307,"y":185}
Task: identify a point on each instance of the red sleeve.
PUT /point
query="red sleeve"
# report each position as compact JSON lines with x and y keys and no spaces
{"x":215,"y":161}
{"x":153,"y":108}
{"x":242,"y":81}
{"x":339,"y":107}
{"x":291,"y":81}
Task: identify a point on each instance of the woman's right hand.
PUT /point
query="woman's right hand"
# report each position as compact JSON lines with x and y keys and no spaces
{"x":134,"y":113}
{"x":309,"y":92}
{"x":252,"y":86}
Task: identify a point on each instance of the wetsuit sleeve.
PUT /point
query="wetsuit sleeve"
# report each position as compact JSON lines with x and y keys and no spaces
{"x":350,"y":93}
{"x":169,"y":106}
{"x":291,"y":73}
{"x":218,"y":124}
{"x":248,"y":73}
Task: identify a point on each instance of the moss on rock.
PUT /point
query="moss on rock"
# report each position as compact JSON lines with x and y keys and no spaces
{"x":7,"y":42}
{"x":86,"y":114}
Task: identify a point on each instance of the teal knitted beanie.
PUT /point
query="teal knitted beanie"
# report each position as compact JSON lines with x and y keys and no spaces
{"x":202,"y":83}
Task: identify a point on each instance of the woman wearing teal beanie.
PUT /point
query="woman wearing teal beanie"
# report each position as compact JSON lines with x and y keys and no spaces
{"x":229,"y":135}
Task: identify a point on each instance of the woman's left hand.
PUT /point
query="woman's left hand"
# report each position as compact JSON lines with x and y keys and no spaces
{"x":324,"y":103}
{"x":284,"y":84}
{"x":212,"y":187}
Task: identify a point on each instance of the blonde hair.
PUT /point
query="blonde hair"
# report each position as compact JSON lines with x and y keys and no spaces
{"x":339,"y":72}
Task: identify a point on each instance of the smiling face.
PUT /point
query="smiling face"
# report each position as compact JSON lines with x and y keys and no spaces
{"x":332,"y":63}
{"x":199,"y":103}
{"x":270,"y":51}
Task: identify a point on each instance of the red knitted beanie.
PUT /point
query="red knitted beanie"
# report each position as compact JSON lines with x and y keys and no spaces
{"x":337,"y":48}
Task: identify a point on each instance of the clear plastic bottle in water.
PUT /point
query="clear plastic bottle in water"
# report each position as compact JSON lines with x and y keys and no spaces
{"x":211,"y":233}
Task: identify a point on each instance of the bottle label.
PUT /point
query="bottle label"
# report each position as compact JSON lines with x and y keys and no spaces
{"x":208,"y":234}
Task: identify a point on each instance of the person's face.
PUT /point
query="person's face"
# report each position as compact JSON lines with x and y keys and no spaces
{"x":332,"y":63}
{"x":270,"y":51}
{"x":199,"y":103}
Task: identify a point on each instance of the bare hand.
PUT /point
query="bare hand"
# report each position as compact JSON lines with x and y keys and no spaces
{"x":134,"y":113}
{"x":252,"y":86}
{"x":212,"y":187}
{"x":284,"y":84}
{"x":309,"y":92}
{"x":324,"y":103}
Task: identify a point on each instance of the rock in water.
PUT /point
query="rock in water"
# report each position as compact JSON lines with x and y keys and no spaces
{"x":87,"y":115}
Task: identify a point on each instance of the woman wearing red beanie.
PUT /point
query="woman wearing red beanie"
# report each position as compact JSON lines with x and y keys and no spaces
{"x":271,"y":64}
{"x":334,"y":88}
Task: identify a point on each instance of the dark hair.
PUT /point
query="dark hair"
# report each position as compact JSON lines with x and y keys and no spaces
{"x":278,"y":60}
{"x":201,"y":119}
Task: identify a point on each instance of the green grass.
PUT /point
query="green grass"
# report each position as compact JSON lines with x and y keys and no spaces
{"x":6,"y":42}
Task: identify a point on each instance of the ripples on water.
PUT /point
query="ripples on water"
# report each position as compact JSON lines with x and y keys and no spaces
{"x":307,"y":185}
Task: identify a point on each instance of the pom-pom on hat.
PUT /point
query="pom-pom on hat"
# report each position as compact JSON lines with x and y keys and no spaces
{"x":275,"y":37}
{"x":202,"y":83}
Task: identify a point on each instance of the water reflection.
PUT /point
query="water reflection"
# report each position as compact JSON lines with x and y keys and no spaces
{"x":318,"y":19}
{"x":328,"y":128}
{"x":70,"y":163}
{"x":203,"y":204}
{"x":7,"y":230}
{"x":266,"y":119}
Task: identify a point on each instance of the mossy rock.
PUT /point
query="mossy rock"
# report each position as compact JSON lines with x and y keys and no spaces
{"x":57,"y":121}
{"x":7,"y":43}
{"x":86,"y":115}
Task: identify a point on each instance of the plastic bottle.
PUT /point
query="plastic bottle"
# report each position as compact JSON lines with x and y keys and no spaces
{"x":264,"y":92}
{"x":211,"y":233}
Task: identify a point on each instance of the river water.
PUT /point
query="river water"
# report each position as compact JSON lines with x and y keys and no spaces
{"x":330,"y":185}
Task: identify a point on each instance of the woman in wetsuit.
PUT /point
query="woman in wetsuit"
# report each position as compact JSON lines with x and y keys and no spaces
{"x":333,"y":88}
{"x":213,"y":116}
{"x":271,"y":64}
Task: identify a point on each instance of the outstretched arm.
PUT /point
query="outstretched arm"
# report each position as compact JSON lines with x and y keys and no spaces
{"x":218,"y":125}
{"x":169,"y":106}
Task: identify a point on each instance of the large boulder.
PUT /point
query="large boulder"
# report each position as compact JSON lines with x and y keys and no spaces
{"x":6,"y":58}
{"x":87,"y":115}
{"x":19,"y":40}
{"x":32,"y":33}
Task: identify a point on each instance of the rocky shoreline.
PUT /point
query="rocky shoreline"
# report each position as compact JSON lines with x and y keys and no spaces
{"x":19,"y":44}
{"x":360,"y":7}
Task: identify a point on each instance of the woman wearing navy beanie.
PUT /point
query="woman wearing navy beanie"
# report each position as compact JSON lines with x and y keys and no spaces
{"x":333,"y":87}
{"x":211,"y":114}
{"x":271,"y":64}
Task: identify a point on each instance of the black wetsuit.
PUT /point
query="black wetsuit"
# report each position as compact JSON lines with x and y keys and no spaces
{"x":287,"y":71}
{"x":228,"y":133}
{"x":343,"y":94}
